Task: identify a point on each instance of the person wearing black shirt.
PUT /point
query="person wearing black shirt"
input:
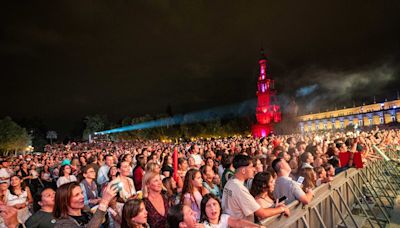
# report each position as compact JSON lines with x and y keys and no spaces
{"x":69,"y":206}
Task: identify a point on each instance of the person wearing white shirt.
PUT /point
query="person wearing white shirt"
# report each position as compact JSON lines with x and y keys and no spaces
{"x":102,"y":176}
{"x":65,"y":176}
{"x":5,"y":172}
{"x":211,"y":215}
{"x":237,"y":200}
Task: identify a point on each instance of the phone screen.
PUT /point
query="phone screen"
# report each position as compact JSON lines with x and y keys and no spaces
{"x":300,"y":180}
{"x":283,"y":198}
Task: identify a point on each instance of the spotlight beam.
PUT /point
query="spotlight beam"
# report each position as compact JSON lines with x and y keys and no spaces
{"x":224,"y":112}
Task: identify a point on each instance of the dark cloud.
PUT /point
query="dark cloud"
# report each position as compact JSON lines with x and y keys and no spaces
{"x":62,"y":60}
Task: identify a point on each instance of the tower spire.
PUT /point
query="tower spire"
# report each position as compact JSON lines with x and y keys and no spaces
{"x":262,"y":52}
{"x":267,"y":110}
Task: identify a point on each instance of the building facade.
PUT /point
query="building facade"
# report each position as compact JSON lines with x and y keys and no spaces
{"x":362,"y":116}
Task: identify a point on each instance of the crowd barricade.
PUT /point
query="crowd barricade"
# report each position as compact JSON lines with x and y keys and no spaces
{"x":354,"y":198}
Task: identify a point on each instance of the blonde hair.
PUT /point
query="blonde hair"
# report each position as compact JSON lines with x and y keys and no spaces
{"x":148,"y":176}
{"x":151,"y":166}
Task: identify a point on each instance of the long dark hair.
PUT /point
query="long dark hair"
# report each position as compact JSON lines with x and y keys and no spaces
{"x":168,"y":186}
{"x":119,"y":164}
{"x":63,"y":197}
{"x":206,"y":198}
{"x":175,"y":216}
{"x":131,"y":209}
{"x":11,"y":188}
{"x":109,"y":172}
{"x":62,"y":170}
{"x":123,"y":157}
{"x":165,"y":160}
{"x":203,"y":173}
{"x":260,"y":184}
{"x":181,"y":161}
{"x":187,"y":184}
{"x":140,"y":161}
{"x":309,"y":176}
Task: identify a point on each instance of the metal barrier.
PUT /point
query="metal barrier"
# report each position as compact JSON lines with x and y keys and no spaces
{"x":354,"y":198}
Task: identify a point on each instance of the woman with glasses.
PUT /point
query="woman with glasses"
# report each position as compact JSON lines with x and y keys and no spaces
{"x":89,"y":187}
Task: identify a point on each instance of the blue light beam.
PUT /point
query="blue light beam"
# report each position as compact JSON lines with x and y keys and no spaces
{"x":224,"y":112}
{"x":306,"y":90}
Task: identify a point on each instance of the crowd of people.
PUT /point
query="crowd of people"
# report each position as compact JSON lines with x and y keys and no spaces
{"x":235,"y":182}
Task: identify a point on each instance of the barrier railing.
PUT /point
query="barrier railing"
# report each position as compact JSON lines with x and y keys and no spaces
{"x":354,"y":198}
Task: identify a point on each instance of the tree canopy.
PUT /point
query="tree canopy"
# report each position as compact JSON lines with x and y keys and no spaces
{"x":13,"y":138}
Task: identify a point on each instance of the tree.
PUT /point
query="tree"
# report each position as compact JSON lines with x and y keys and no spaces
{"x":12,"y":137}
{"x":51,"y":135}
{"x":37,"y":129}
{"x":93,"y":124}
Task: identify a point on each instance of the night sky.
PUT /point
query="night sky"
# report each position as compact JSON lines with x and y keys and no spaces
{"x":63,"y":60}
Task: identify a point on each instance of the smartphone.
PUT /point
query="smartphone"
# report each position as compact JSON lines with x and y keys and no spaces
{"x":300,"y":180}
{"x":119,"y":185}
{"x":283,"y":198}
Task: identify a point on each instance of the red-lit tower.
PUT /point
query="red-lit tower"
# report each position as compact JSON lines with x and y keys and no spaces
{"x":267,"y":110}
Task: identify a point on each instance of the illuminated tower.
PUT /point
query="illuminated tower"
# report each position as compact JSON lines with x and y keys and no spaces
{"x":267,"y":110}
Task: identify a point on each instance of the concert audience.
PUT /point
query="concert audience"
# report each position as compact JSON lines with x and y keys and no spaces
{"x":207,"y":171}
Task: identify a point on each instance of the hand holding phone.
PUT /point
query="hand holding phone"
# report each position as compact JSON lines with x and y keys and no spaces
{"x":300,"y":180}
{"x":118,"y":186}
{"x":283,"y":198}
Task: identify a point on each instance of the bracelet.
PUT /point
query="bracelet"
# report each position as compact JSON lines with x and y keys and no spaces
{"x":283,"y":209}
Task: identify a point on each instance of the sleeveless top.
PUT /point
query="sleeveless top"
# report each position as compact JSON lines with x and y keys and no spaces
{"x":196,"y":202}
{"x":23,"y":213}
{"x":155,"y":219}
{"x":14,"y":199}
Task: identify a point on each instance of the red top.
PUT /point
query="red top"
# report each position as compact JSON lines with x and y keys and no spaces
{"x":344,"y":158}
{"x":137,"y":177}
